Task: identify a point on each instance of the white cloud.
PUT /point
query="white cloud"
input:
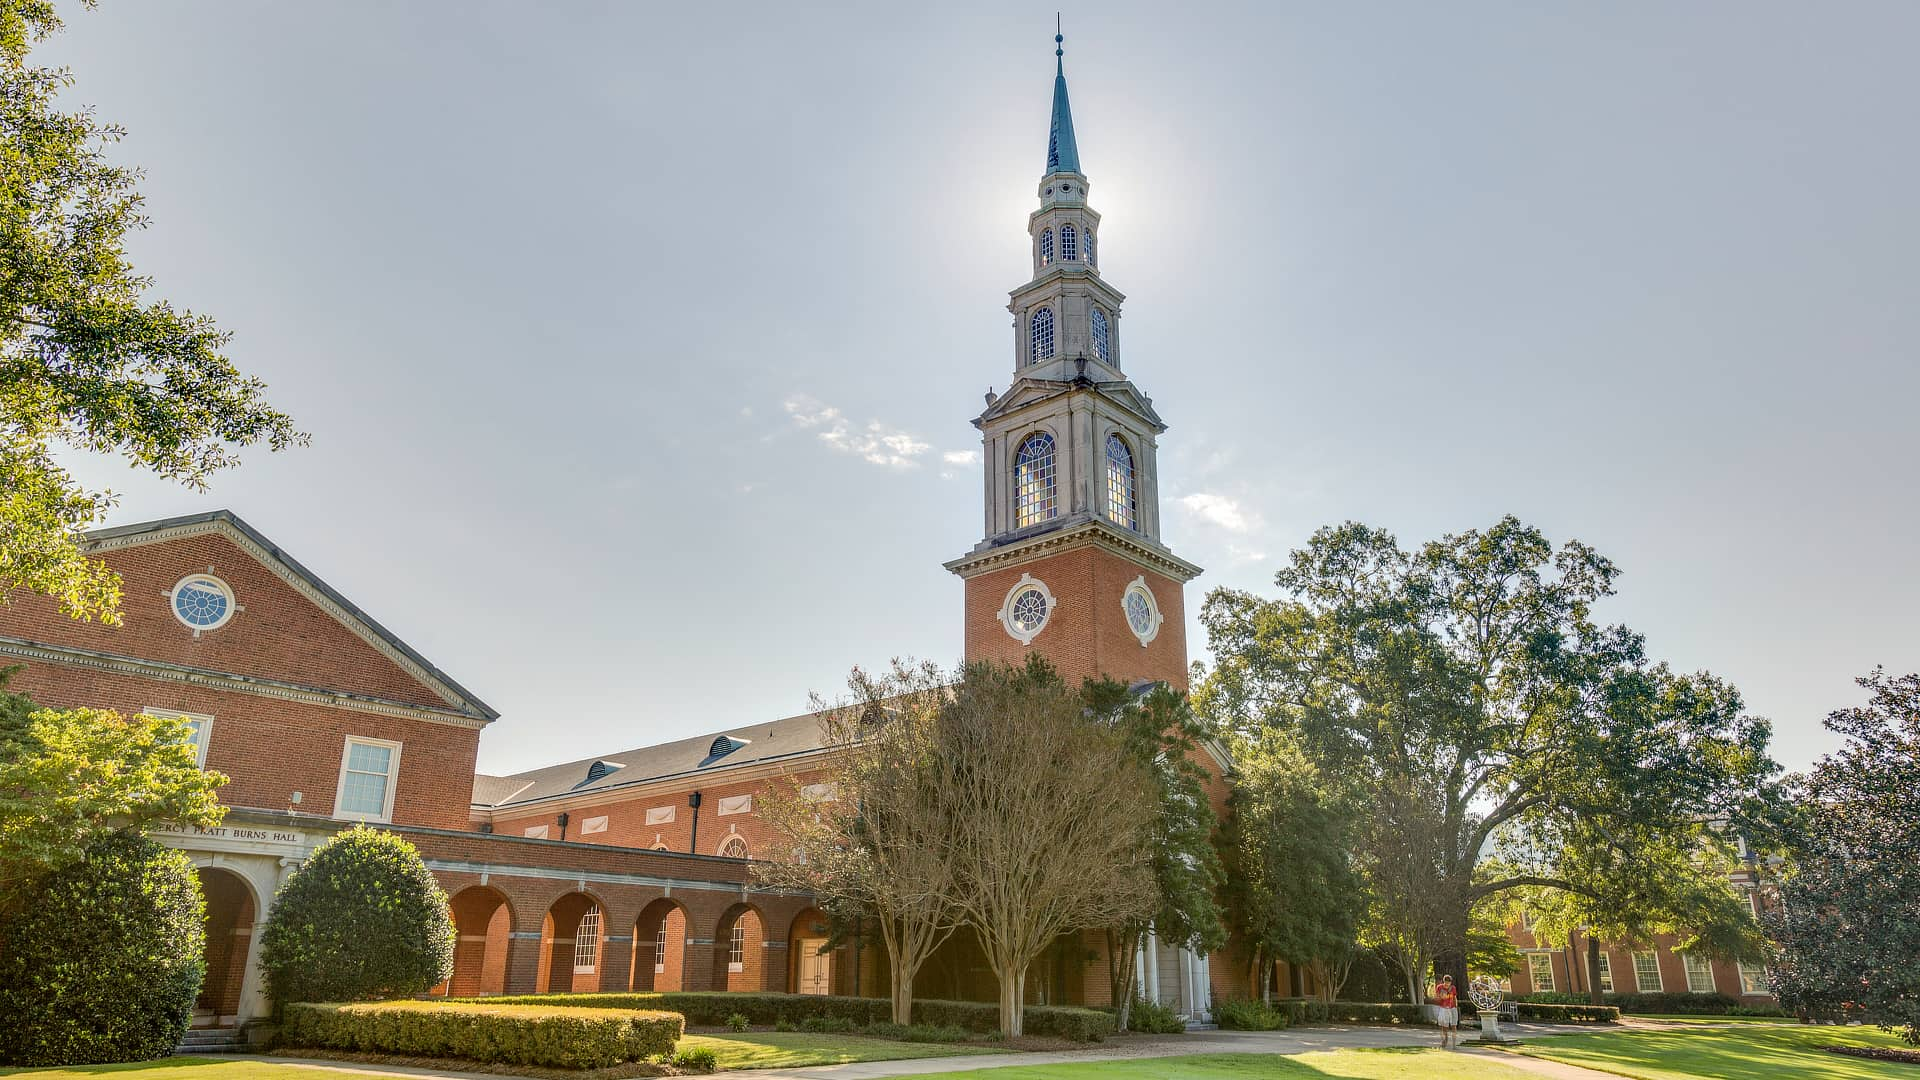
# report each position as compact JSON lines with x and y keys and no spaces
{"x":961,"y":457}
{"x":1218,"y":510}
{"x":877,"y":443}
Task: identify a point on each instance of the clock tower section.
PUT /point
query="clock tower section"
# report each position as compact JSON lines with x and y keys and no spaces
{"x":1072,"y":565}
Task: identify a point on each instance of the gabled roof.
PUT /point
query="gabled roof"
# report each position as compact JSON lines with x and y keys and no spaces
{"x":1028,"y":390}
{"x":289,"y":569}
{"x":754,"y":744}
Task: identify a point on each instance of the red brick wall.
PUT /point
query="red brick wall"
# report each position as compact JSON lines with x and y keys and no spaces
{"x":627,"y":826}
{"x":1087,"y":633}
{"x":272,"y":748}
{"x":278,"y":634}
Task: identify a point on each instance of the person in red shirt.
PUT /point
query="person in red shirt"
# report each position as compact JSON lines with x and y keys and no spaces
{"x":1446,"y":1001}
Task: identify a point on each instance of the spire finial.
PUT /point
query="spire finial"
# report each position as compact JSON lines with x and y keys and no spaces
{"x":1062,"y":154}
{"x":1059,"y":53}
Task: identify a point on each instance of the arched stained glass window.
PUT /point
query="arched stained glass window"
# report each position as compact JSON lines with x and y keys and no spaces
{"x":1046,"y":246}
{"x":1033,"y":471}
{"x":1123,"y":506}
{"x":1040,"y":336}
{"x":1069,"y":243}
{"x":1102,"y":339}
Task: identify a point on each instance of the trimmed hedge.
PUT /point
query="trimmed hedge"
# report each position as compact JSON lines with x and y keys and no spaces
{"x":711,"y":1009}
{"x":1302,"y":1010}
{"x":1683,"y":1004}
{"x":103,"y":959}
{"x":1566,"y":1014}
{"x":363,"y":918}
{"x":1361,"y":1012}
{"x":1246,"y":1014}
{"x":556,"y":1037}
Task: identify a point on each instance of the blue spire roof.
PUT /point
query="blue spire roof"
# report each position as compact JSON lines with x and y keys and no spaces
{"x":1062,"y":154}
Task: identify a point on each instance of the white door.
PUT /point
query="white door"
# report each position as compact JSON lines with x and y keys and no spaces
{"x":816,"y":969}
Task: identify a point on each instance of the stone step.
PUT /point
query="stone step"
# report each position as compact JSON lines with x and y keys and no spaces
{"x":211,"y":1041}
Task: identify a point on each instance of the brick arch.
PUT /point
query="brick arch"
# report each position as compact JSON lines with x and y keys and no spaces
{"x":483,"y":922}
{"x":808,"y":971}
{"x":748,"y":972}
{"x":560,"y":937}
{"x":231,"y":911}
{"x":660,"y":946}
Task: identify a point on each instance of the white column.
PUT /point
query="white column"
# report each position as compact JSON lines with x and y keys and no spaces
{"x":1153,"y":966}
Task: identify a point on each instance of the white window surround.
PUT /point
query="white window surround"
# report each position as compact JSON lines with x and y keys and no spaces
{"x":660,"y":815}
{"x":1138,"y":587}
{"x":1699,"y":973}
{"x":593,"y":825}
{"x":586,"y":942}
{"x":536,"y":832}
{"x":1540,"y":971}
{"x":737,"y":948}
{"x":733,"y":804}
{"x":202,"y":729}
{"x":1753,"y":980}
{"x":213,"y":620}
{"x":392,"y":780}
{"x":1646,"y":966}
{"x":1603,"y":972}
{"x":733,"y":846}
{"x":1020,"y":630}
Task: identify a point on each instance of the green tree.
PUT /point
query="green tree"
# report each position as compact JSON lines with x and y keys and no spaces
{"x":86,"y":358}
{"x":1848,"y":921}
{"x":1291,"y":889}
{"x":362,"y":918}
{"x":69,"y":777}
{"x":1160,"y":730}
{"x":104,"y":958}
{"x":1464,"y":692}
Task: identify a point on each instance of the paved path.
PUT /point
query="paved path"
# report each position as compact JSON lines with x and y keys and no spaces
{"x":1291,"y":1041}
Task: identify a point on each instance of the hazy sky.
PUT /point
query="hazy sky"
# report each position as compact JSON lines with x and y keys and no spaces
{"x":548,"y":284}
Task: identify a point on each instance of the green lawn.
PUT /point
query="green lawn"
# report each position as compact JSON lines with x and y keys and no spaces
{"x":1696,"y":1018}
{"x":1756,"y":1052}
{"x":1422,"y":1063}
{"x":790,"y":1049}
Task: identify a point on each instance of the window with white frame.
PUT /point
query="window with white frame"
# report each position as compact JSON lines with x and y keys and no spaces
{"x":660,"y":947}
{"x":1033,"y":472}
{"x":367,"y":771}
{"x":199,"y":730}
{"x":1753,"y":979}
{"x":1046,"y":247}
{"x":1040,"y":336}
{"x":1069,"y":244}
{"x":733,"y":847}
{"x":1699,"y":974}
{"x":1102,"y":336}
{"x":586,"y":942}
{"x":737,"y":948}
{"x":1540,"y":971}
{"x":1646,"y":972}
{"x":1123,"y":504}
{"x":1603,"y":972}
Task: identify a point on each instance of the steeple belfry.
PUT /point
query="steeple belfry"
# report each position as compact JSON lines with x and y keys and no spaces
{"x":1072,"y":562}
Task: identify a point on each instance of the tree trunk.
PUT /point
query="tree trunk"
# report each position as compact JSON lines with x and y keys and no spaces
{"x":1593,"y":965}
{"x":1013,"y":1001}
{"x":1122,"y":954}
{"x":902,"y":990}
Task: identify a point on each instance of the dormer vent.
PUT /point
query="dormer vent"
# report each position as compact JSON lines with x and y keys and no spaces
{"x":722,"y":746}
{"x":599,"y":770}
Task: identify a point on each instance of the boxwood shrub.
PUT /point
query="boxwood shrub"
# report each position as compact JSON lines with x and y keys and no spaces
{"x":1360,"y":1012}
{"x":1247,"y":1014}
{"x":363,"y":918}
{"x":103,"y":960}
{"x":1567,"y":1014}
{"x":552,"y":1036}
{"x":711,"y":1009}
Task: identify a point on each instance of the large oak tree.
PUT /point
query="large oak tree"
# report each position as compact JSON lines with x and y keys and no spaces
{"x":1465,"y":692}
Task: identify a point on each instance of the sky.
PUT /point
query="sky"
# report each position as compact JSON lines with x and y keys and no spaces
{"x":639,"y":342}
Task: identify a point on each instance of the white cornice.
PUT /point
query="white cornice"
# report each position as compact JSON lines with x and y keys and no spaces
{"x":300,"y":584}
{"x":1092,"y":533}
{"x":215,"y":680}
{"x":654,"y":787}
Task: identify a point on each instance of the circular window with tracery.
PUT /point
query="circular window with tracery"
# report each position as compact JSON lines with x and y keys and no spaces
{"x":1142,"y":611}
{"x":1028,"y":606}
{"x":202,"y":602}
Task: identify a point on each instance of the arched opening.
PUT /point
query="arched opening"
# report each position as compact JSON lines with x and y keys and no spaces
{"x":811,"y":963}
{"x":482,"y":924}
{"x":734,"y":846}
{"x":230,"y":916}
{"x":1069,"y":249}
{"x":1033,"y":473}
{"x":1123,"y":504}
{"x":570,"y":946}
{"x":660,"y":946}
{"x":1046,"y":247}
{"x":1040,"y":336}
{"x":739,"y":947}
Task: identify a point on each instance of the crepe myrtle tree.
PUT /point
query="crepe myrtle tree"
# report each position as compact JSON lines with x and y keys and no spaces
{"x":1158,"y":727}
{"x":1848,"y":918}
{"x":864,"y":838}
{"x":88,"y":358}
{"x":1463,"y":690}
